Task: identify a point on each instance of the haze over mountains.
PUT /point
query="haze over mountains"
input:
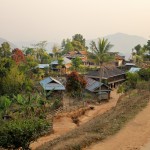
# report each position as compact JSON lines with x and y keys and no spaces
{"x":123,"y":43}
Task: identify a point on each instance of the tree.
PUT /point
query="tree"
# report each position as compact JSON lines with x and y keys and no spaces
{"x":138,"y":48}
{"x":100,"y":51}
{"x":76,"y":62}
{"x":18,"y":56}
{"x":79,"y":38}
{"x":144,"y":74}
{"x":60,"y":64}
{"x":13,"y":82}
{"x":40,"y":50}
{"x":75,"y":84}
{"x":5,"y":50}
{"x":56,"y":51}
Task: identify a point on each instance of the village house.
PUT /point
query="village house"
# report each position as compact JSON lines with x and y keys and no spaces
{"x":119,"y":59}
{"x":66,"y":65}
{"x":111,"y":75}
{"x":81,"y":54}
{"x":51,"y":84}
{"x":93,"y":86}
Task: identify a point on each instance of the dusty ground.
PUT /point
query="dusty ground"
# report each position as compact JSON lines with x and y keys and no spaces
{"x":65,"y":124}
{"x":133,"y":136}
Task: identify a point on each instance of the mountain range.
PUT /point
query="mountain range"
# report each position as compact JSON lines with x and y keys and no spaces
{"x":123,"y":43}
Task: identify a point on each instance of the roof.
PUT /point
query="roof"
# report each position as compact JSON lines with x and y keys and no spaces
{"x":42,"y":66}
{"x":92,"y":84}
{"x":83,"y":52}
{"x":130,"y":64}
{"x":50,"y":83}
{"x":107,"y":72}
{"x":134,"y":69}
{"x":65,"y":61}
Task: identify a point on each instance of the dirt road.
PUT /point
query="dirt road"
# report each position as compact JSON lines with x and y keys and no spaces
{"x":132,"y":137}
{"x":64,"y":124}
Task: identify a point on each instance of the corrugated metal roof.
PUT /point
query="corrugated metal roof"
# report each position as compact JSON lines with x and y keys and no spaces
{"x":65,"y":61}
{"x":42,"y":66}
{"x":92,"y":84}
{"x":133,"y":70}
{"x":50,"y":83}
{"x":130,"y":64}
{"x":107,"y":72}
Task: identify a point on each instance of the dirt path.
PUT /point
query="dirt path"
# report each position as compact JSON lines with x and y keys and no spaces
{"x":65,"y":124}
{"x":132,"y":137}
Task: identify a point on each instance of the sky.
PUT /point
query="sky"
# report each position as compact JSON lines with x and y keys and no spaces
{"x":54,"y":20}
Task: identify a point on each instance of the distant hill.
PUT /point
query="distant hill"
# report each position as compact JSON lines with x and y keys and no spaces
{"x":123,"y":43}
{"x":11,"y":44}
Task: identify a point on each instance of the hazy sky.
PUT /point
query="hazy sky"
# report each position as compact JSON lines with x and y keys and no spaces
{"x":53,"y":20}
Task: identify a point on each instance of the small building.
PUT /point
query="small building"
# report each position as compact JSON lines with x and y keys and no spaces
{"x":66,"y":65}
{"x":81,"y":54}
{"x":111,"y":75}
{"x":93,"y":86}
{"x":51,"y":84}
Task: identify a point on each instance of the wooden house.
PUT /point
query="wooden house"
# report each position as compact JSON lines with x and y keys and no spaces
{"x":111,"y":75}
{"x":51,"y":84}
{"x":93,"y":86}
{"x":66,"y":65}
{"x":81,"y":54}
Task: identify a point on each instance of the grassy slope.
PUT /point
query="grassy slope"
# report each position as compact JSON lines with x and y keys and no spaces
{"x":101,"y":126}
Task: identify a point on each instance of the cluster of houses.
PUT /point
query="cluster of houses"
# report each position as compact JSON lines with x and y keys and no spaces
{"x":111,"y":75}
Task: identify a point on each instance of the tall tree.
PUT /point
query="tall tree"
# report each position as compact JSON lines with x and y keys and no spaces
{"x":100,"y":51}
{"x":79,"y":38}
{"x":56,"y":51}
{"x":5,"y":50}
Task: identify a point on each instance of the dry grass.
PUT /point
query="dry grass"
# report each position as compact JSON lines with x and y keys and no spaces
{"x":101,"y":126}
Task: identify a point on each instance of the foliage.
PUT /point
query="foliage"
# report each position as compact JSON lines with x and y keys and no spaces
{"x":19,"y":133}
{"x":144,"y":74}
{"x":132,"y":79}
{"x":5,"y":50}
{"x":13,"y":82}
{"x":101,"y":50}
{"x":56,"y":51}
{"x":75,"y":84}
{"x":18,"y":56}
{"x":79,"y":38}
{"x":76,"y":63}
{"x":5,"y":103}
{"x":121,"y":89}
{"x":57,"y":103}
{"x":76,"y":44}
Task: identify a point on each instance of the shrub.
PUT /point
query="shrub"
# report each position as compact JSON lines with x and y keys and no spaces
{"x":19,"y":133}
{"x":144,"y":74}
{"x":57,"y":104}
{"x":75,"y":84}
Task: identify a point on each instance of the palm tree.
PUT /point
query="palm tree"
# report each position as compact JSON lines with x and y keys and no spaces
{"x":100,"y":51}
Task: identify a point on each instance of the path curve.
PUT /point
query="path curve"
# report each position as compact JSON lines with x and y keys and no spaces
{"x":131,"y":137}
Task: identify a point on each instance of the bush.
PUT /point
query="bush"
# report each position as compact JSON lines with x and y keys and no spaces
{"x":19,"y":133}
{"x":144,"y":74}
{"x":57,"y":104}
{"x":75,"y":84}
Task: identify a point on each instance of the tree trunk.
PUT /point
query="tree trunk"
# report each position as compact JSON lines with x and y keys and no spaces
{"x":100,"y":79}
